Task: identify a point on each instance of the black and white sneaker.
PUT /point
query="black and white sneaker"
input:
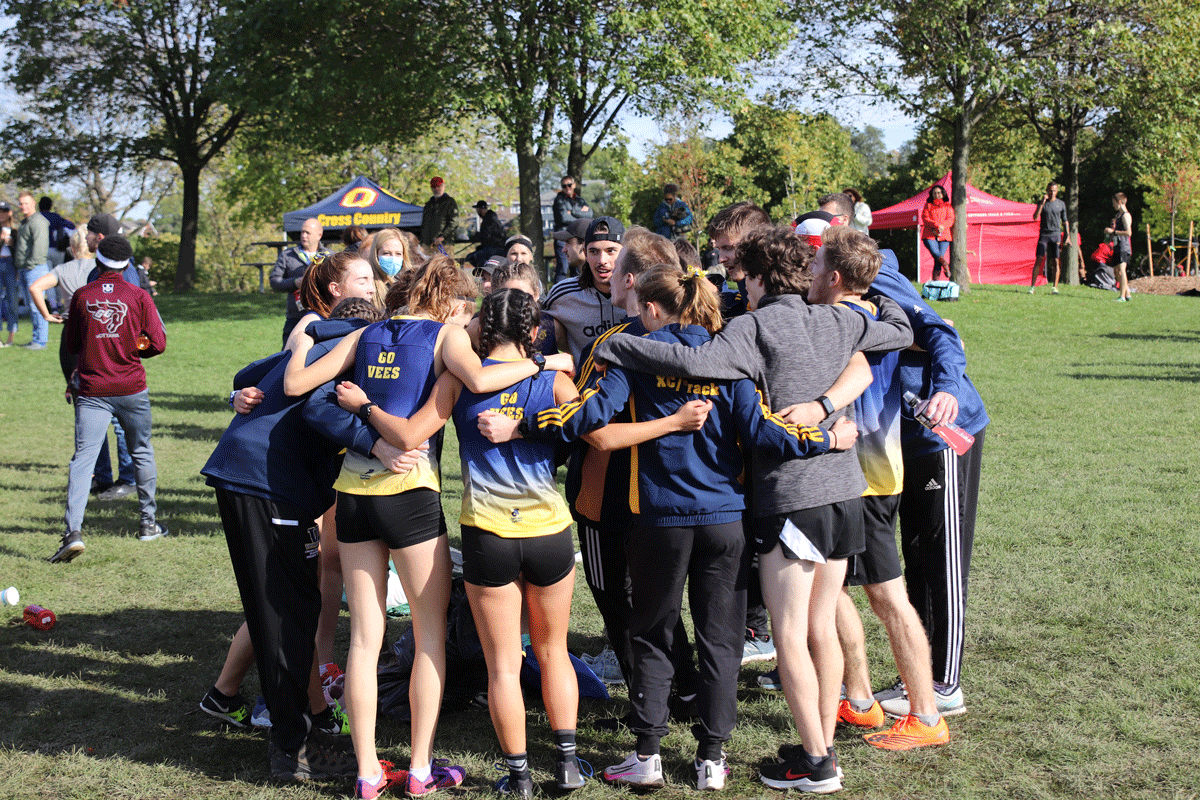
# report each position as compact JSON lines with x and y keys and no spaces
{"x":151,"y":532}
{"x":72,"y":545}
{"x":806,"y":774}
{"x":230,"y":710}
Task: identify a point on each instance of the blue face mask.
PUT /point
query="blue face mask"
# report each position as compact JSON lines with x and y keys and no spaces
{"x":391,"y":264}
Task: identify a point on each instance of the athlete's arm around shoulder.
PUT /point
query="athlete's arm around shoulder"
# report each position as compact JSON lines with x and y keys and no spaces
{"x":410,"y":433}
{"x":299,"y":379}
{"x":731,"y":354}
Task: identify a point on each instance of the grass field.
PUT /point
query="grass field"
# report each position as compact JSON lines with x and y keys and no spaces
{"x":1082,"y":671}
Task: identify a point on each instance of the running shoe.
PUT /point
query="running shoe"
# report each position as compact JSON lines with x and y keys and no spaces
{"x":606,"y":666}
{"x":389,"y":776}
{"x":319,"y":756}
{"x":513,"y":786}
{"x":442,"y":776}
{"x":333,"y":720}
{"x":897,"y":689}
{"x":871,"y":718}
{"x":261,"y":716}
{"x":232,"y":711}
{"x":909,"y":734}
{"x":795,"y":752}
{"x":635,"y":772}
{"x":572,"y":773}
{"x":72,"y":545}
{"x":333,"y":682}
{"x":770,"y":680}
{"x":949,"y":704}
{"x":116,"y":492}
{"x":807,"y":774}
{"x":758,"y":647}
{"x":152,"y":531}
{"x":710,"y":775}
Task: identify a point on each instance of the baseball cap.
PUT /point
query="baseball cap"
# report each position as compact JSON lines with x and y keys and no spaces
{"x":576,"y":230}
{"x":104,"y":224}
{"x":481,"y":204}
{"x":4,"y":206}
{"x":494,"y":263}
{"x":615,"y":232}
{"x":436,"y":180}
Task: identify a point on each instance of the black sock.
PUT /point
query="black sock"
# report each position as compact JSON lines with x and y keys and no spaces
{"x":218,"y":695}
{"x":518,"y":764}
{"x":564,"y":743}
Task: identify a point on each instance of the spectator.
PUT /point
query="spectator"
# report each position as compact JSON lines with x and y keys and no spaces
{"x":582,"y":307}
{"x":569,"y":208}
{"x":31,"y":257}
{"x":489,"y":236}
{"x":352,"y":237}
{"x":1052,"y":214}
{"x":112,"y":326}
{"x":672,"y":218}
{"x":519,"y":249}
{"x":60,"y":232}
{"x":570,"y":241}
{"x":937,"y":224}
{"x":861,"y":220}
{"x":440,"y":219}
{"x":290,"y":268}
{"x":8,"y":274}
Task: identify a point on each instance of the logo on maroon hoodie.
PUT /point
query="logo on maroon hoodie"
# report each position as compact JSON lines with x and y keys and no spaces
{"x":110,"y":314}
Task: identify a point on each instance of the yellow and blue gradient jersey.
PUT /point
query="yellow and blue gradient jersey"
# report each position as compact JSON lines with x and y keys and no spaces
{"x":394,"y":365}
{"x":686,"y":478}
{"x":877,"y":414}
{"x":509,"y":489}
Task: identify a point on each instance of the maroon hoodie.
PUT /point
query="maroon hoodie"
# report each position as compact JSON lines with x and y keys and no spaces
{"x":107,"y":317}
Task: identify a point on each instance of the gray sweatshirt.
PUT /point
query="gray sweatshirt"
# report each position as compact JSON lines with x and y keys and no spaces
{"x":794,"y":352}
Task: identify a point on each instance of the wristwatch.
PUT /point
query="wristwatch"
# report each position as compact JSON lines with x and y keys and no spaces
{"x":364,"y":411}
{"x":540,"y":360}
{"x":826,"y":404}
{"x":232,"y":395}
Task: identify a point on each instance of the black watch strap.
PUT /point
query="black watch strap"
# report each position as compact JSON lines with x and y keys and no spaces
{"x":826,"y":404}
{"x":540,"y":360}
{"x":364,"y":411}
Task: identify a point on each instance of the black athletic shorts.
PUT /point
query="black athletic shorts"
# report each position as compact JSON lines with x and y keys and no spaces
{"x":833,"y":531}
{"x":398,"y":520}
{"x":492,"y":560}
{"x":1048,"y":244}
{"x":880,"y":561}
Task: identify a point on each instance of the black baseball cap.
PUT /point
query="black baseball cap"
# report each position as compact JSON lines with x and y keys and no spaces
{"x":576,"y":230}
{"x":615,"y":231}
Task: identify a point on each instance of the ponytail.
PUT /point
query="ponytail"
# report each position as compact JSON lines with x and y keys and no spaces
{"x":314,"y":286}
{"x":437,"y":285}
{"x":687,"y":296}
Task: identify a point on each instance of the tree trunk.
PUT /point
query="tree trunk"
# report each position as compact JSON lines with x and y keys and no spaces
{"x":529,"y":173}
{"x":185,"y":270}
{"x":960,"y":270}
{"x":1069,"y":260}
{"x":575,"y":157}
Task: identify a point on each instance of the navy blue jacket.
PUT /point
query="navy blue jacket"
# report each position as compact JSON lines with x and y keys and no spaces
{"x":686,"y":478}
{"x":940,"y":365}
{"x":272,"y":452}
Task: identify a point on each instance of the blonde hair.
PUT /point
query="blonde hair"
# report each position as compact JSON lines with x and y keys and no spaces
{"x":683,"y":295}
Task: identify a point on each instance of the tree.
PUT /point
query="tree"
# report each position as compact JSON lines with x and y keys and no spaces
{"x":868,"y":143}
{"x":951,"y":60}
{"x":154,"y":61}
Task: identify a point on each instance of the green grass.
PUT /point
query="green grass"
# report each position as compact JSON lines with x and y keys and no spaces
{"x":1082,"y":650}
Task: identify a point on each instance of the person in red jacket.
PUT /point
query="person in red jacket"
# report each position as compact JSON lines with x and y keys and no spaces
{"x":112,"y":326}
{"x":937,"y":222}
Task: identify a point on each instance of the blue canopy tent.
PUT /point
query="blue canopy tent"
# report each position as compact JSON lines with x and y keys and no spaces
{"x":360,"y":202}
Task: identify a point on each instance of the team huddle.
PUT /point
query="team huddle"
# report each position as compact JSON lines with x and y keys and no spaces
{"x":745,"y":443}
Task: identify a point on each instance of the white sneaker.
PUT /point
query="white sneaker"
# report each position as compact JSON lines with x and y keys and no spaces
{"x":635,"y":772}
{"x":894,"y":691}
{"x":606,"y":666}
{"x":948,"y":705}
{"x":710,"y":775}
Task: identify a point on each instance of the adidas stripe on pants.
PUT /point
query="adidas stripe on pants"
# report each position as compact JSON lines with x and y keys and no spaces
{"x":937,"y":533}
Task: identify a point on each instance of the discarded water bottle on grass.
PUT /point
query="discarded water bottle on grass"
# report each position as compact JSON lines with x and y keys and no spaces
{"x":41,"y":618}
{"x":959,"y":440}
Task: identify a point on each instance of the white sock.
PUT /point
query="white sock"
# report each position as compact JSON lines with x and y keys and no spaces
{"x":423,"y":773}
{"x":373,"y":781}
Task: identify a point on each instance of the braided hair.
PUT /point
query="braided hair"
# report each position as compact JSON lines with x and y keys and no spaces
{"x":507,"y":316}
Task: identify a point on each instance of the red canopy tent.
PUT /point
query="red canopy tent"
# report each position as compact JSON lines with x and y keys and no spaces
{"x":1001,"y":235}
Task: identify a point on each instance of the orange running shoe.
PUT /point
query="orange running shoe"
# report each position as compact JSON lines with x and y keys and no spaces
{"x":908,"y":734}
{"x":871,"y":718}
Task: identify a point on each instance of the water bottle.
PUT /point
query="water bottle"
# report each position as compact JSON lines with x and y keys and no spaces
{"x":10,"y":596}
{"x":41,"y":618}
{"x":959,"y":440}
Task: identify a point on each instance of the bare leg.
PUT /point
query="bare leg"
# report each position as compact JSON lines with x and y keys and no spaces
{"x":1057,"y":272}
{"x":424,"y":571}
{"x":331,"y":587}
{"x":855,"y":673}
{"x":823,"y":641}
{"x":787,"y":585}
{"x":1037,"y":269}
{"x":549,"y":610}
{"x":365,"y":572}
{"x":497,"y":612}
{"x":1122,"y":281}
{"x":238,"y":661}
{"x":910,"y":646}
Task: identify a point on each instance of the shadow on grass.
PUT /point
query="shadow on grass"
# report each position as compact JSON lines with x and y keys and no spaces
{"x":30,"y":466}
{"x":188,"y":402}
{"x":1183,"y":374}
{"x":1153,"y":337}
{"x":195,"y":433}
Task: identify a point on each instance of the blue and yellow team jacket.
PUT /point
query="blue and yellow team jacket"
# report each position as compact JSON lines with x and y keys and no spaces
{"x":686,"y":478}
{"x":877,"y":414}
{"x":509,"y":489}
{"x":394,"y":366}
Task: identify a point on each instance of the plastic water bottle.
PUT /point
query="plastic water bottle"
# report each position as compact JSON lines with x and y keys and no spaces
{"x":10,"y":596}
{"x":959,"y":440}
{"x":41,"y":618}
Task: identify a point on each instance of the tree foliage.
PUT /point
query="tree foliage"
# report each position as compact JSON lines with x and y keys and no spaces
{"x":150,"y":67}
